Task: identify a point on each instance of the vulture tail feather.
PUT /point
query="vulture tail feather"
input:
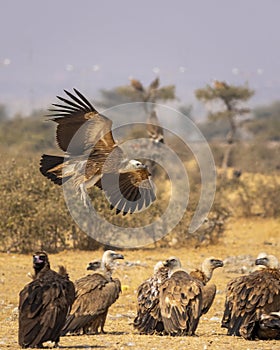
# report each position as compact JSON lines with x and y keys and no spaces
{"x":48,"y":162}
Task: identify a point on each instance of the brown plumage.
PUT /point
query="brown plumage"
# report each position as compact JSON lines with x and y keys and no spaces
{"x":92,"y":157}
{"x":44,"y":304}
{"x":251,"y":296}
{"x":154,"y":84}
{"x":220,"y":85}
{"x":204,"y":275}
{"x":137,"y":85}
{"x":180,"y":300}
{"x":268,"y":326}
{"x":154,"y":129}
{"x":148,"y":319}
{"x":95,"y":293}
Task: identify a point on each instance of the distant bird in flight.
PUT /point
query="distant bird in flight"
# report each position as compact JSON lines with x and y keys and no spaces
{"x":93,"y":158}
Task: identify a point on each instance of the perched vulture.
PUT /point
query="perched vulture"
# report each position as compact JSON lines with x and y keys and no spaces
{"x":154,"y":84}
{"x":92,"y":157}
{"x":220,"y":84}
{"x":252,"y":301}
{"x":180,"y":300}
{"x":137,"y":85}
{"x":148,"y":319}
{"x":95,"y":293}
{"x":204,"y":275}
{"x":154,"y":129}
{"x":44,"y":304}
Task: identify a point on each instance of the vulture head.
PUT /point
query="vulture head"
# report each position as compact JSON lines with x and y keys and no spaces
{"x":135,"y":164}
{"x":108,"y":259}
{"x":94,"y":265}
{"x":269,"y":261}
{"x":160,"y":271}
{"x":40,"y":260}
{"x":209,"y":265}
{"x":172,"y":264}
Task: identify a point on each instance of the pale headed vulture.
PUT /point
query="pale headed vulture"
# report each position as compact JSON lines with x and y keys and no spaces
{"x":148,"y":319}
{"x":44,"y":304}
{"x":95,"y":293}
{"x":180,"y":300}
{"x":92,"y":157}
{"x":252,"y":300}
{"x":204,"y":275}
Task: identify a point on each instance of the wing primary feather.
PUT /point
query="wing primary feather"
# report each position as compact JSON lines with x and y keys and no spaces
{"x":78,"y":106}
{"x":88,"y":107}
{"x":82,"y":97}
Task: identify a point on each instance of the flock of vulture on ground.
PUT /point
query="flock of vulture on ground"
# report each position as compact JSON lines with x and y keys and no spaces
{"x":170,"y":302}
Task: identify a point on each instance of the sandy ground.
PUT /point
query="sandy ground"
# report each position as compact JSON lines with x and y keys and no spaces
{"x":239,"y":246}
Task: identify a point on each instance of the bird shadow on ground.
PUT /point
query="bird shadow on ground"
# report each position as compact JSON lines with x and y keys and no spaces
{"x":82,"y":347}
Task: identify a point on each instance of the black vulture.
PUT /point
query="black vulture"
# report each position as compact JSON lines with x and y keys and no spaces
{"x":44,"y":304}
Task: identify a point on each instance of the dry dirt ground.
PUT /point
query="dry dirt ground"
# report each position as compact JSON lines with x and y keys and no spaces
{"x":240,"y":244}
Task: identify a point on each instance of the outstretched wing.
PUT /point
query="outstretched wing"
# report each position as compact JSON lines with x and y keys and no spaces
{"x":77,"y":117}
{"x":128,"y":191}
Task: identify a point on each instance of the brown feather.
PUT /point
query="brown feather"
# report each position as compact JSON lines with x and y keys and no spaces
{"x":249,"y":296}
{"x":180,"y":303}
{"x":44,"y":305}
{"x":93,"y":158}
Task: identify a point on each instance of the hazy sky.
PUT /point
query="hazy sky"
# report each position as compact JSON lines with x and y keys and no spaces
{"x":47,"y":46}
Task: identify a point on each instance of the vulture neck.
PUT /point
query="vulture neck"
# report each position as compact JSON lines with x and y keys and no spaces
{"x":41,"y":269}
{"x":207,"y":271}
{"x":107,"y":267}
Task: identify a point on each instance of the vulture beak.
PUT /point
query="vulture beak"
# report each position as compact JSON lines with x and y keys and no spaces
{"x":37,"y":260}
{"x":218,"y":263}
{"x":166,"y":263}
{"x":118,"y":256}
{"x":261,"y":261}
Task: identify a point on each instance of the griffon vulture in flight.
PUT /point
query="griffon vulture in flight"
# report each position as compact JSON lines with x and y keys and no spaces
{"x":154,"y":129}
{"x":93,"y":158}
{"x":252,"y":300}
{"x":44,"y":304}
{"x":148,"y":319}
{"x":180,"y":300}
{"x":95,"y":293}
{"x":204,"y":275}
